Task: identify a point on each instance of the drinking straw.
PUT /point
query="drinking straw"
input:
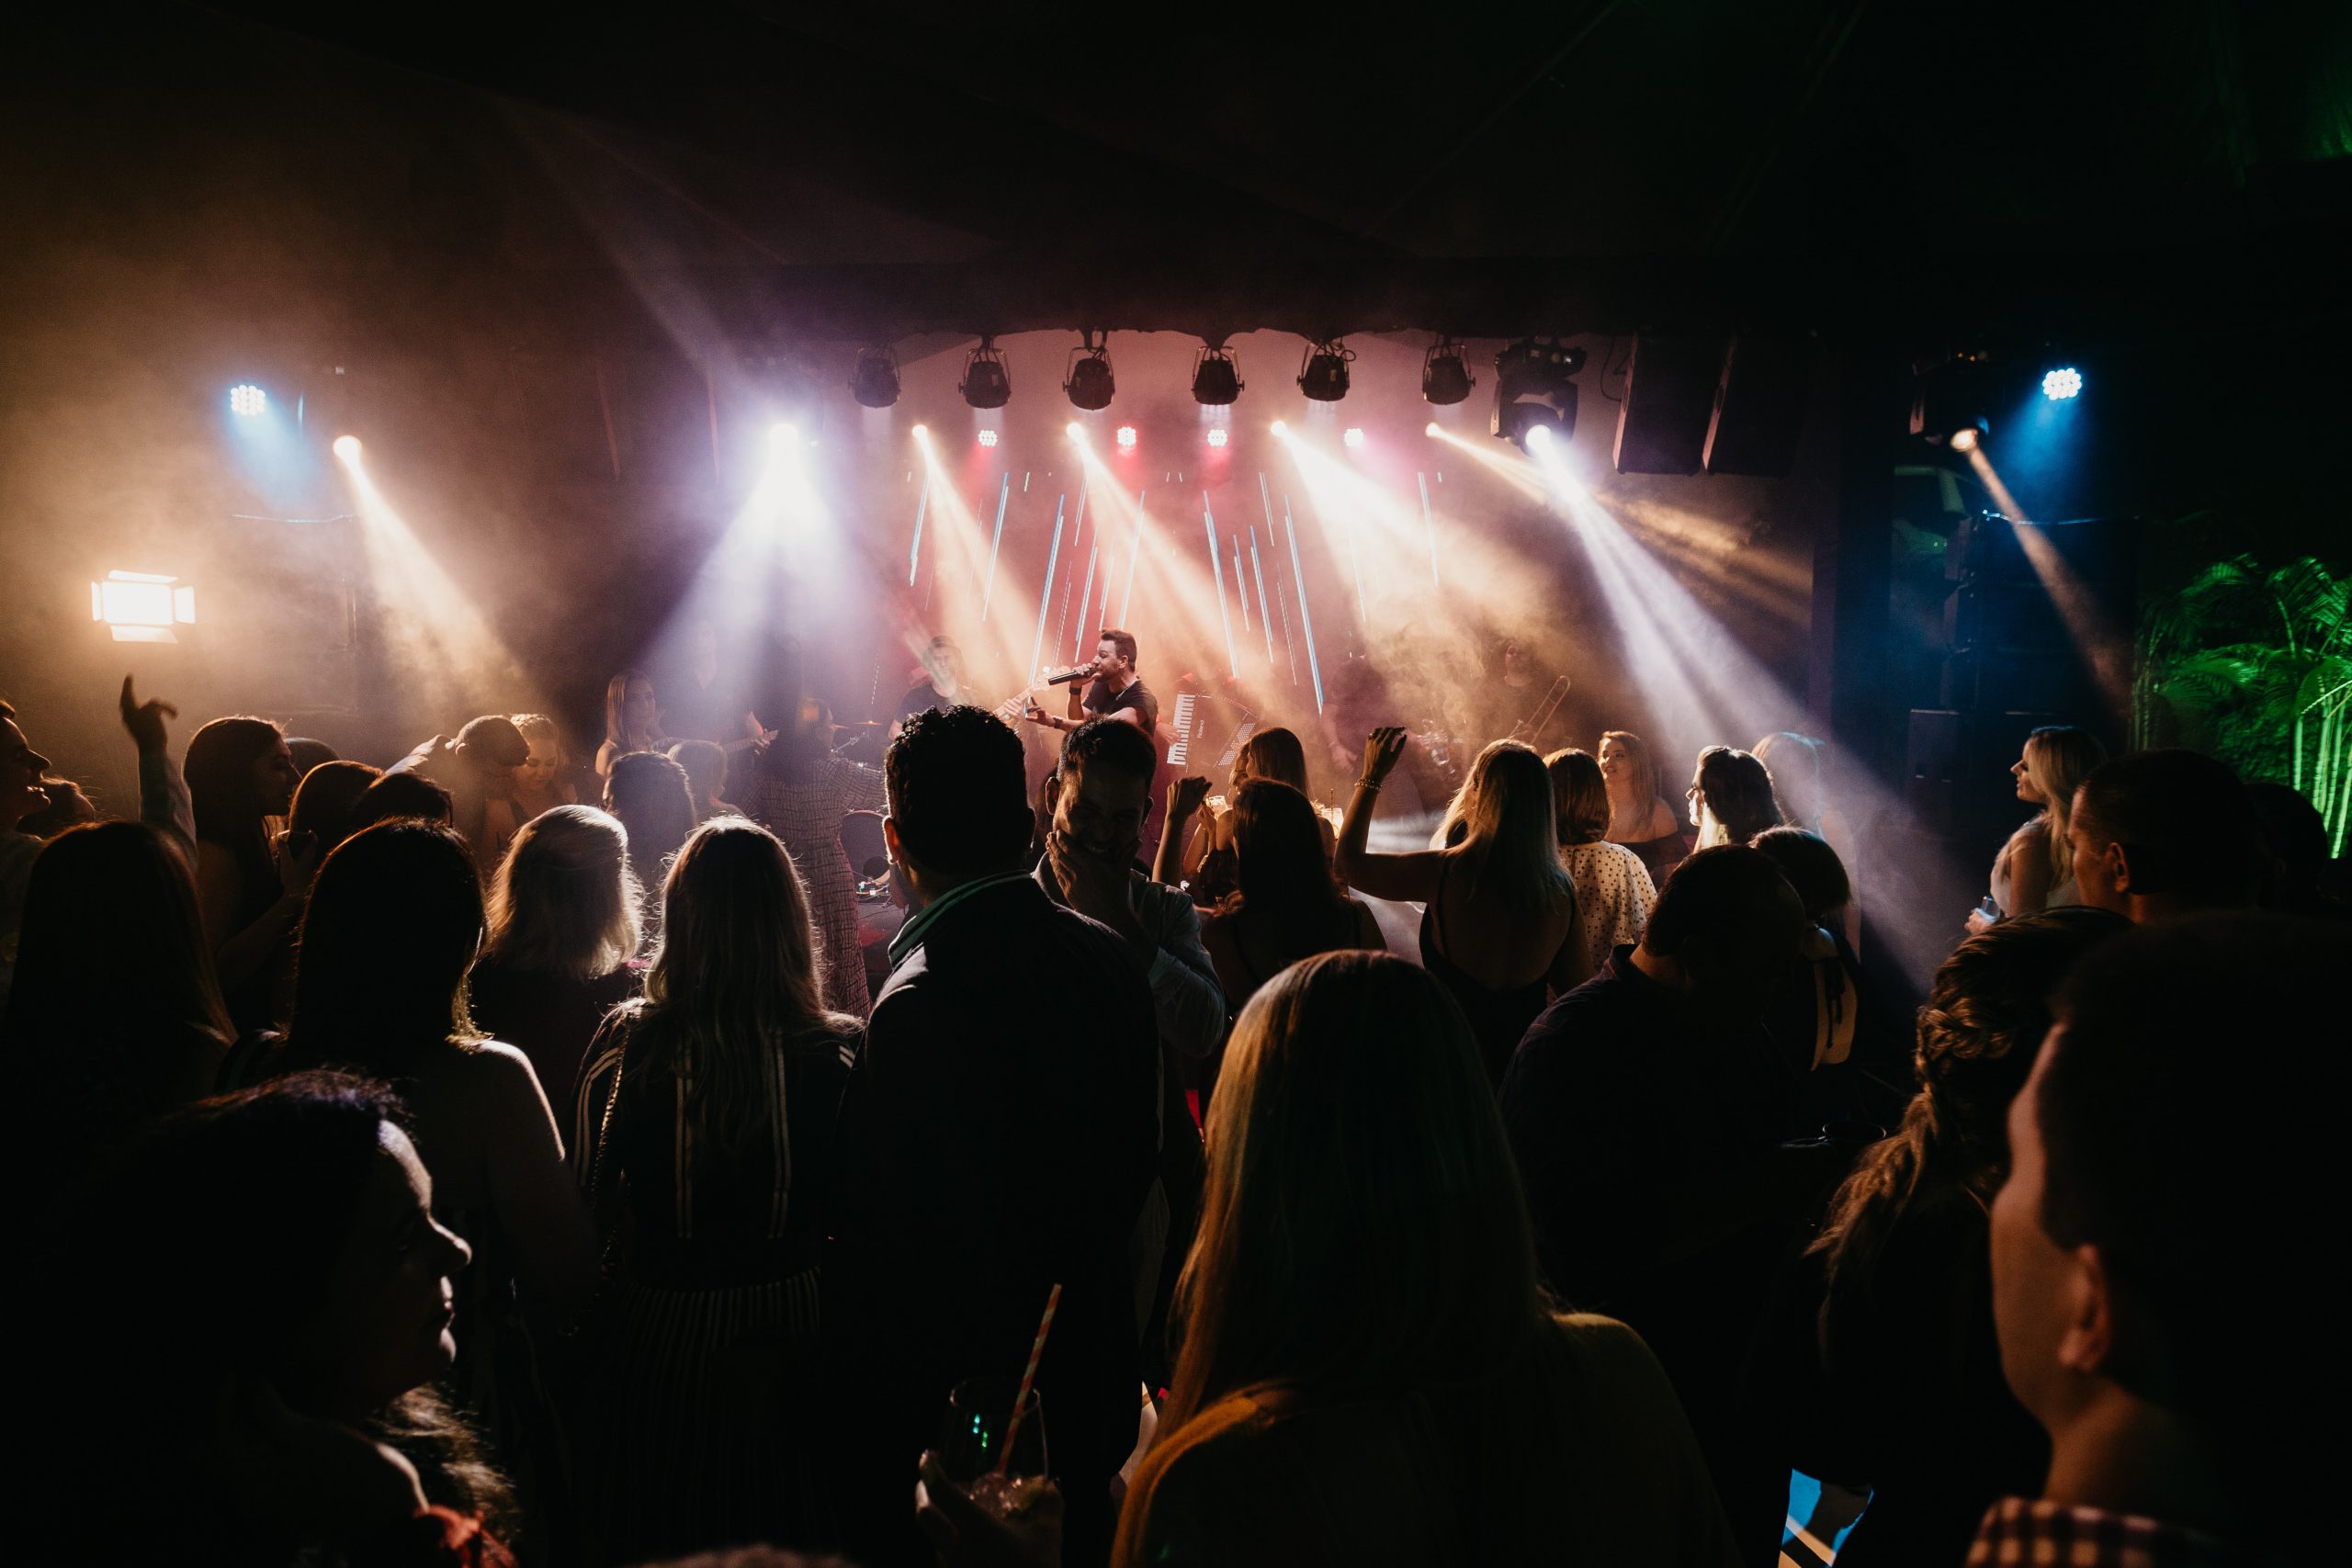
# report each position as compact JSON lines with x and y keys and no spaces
{"x":1028,"y":1377}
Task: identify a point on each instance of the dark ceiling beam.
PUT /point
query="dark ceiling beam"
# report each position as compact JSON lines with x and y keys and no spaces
{"x":1943,"y":302}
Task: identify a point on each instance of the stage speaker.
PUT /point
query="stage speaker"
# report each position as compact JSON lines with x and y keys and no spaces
{"x":2056,"y":681}
{"x":2035,"y":610}
{"x":1989,"y":547}
{"x":1671,"y":384}
{"x":1760,"y":406}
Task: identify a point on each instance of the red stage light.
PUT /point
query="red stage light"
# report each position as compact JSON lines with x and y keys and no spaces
{"x":988,"y":437}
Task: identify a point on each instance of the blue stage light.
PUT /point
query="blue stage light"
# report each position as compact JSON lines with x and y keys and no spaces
{"x":247,"y":401}
{"x":2062,"y":383}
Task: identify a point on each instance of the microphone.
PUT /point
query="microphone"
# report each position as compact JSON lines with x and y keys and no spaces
{"x":1066,"y":676}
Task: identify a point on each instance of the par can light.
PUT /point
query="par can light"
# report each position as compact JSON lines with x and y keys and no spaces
{"x":1216,"y":378}
{"x":874,"y":382}
{"x":986,"y":383}
{"x":1445,"y":374}
{"x":1088,"y":383}
{"x":1323,"y":377}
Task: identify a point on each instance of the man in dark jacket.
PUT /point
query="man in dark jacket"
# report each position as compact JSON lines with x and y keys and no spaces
{"x":992,"y":1145}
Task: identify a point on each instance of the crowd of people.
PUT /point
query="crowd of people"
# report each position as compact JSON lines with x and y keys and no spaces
{"x":483,"y":1159}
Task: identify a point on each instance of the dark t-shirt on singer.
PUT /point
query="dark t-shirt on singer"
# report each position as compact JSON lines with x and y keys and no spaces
{"x":1100,"y":700}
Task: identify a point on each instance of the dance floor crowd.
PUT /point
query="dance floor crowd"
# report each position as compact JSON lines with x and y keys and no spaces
{"x":473,"y":1160}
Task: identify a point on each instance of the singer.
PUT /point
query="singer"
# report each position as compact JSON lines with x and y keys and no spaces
{"x":1115,"y":690}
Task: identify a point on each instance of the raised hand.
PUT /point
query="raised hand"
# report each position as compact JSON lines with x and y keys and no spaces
{"x":1382,"y":750}
{"x":145,"y":720}
{"x":1185,"y":796}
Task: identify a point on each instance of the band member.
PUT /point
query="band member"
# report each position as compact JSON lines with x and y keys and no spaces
{"x":941,"y":686}
{"x":1115,"y":690}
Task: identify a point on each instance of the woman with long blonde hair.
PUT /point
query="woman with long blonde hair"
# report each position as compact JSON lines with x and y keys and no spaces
{"x":1499,"y":927}
{"x":1369,"y":1370}
{"x":1639,"y":817}
{"x":702,"y":1133}
{"x":563,"y":938}
{"x":2035,"y":870}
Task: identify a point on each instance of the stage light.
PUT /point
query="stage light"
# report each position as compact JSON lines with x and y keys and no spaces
{"x":1535,"y":388}
{"x":1279,"y":428}
{"x":1088,"y":383}
{"x":1127,"y":435}
{"x":1076,"y":432}
{"x":874,"y":382}
{"x":1352,"y":436}
{"x":988,"y":437}
{"x":247,"y":401}
{"x":1216,"y":437}
{"x":2061,"y":384}
{"x":781,"y":435}
{"x":1216,"y":378}
{"x":922,"y":433}
{"x":1964,"y":439}
{"x":1323,"y":376}
{"x":142,"y":606}
{"x":986,"y":383}
{"x":1445,"y":374}
{"x":347,"y":448}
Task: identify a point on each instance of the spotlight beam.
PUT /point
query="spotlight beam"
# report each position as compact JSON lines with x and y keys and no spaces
{"x":1093,"y":550}
{"x":1135,"y":554}
{"x":987,"y":594}
{"x":1289,"y":646}
{"x":1077,"y":532}
{"x":1216,"y":569}
{"x":1306,"y":616}
{"x":1046,"y":594}
{"x":1428,"y":524}
{"x":1265,"y":621}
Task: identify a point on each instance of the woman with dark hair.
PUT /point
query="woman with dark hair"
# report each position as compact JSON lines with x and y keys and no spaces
{"x":800,"y":794}
{"x":655,"y":804}
{"x":544,"y":781}
{"x":1370,"y":1371}
{"x":250,"y":891}
{"x":1614,"y":888}
{"x":1286,"y":905}
{"x":563,"y":942}
{"x":325,"y":800}
{"x":394,"y":922}
{"x":1208,"y":864}
{"x":1500,"y":926}
{"x":703,"y":1135}
{"x":632,"y":719}
{"x":115,"y":1012}
{"x":162,"y":803}
{"x":1908,"y":1397}
{"x":248,"y":1315}
{"x":1732,"y":798}
{"x":398,"y":797}
{"x":1639,"y":817}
